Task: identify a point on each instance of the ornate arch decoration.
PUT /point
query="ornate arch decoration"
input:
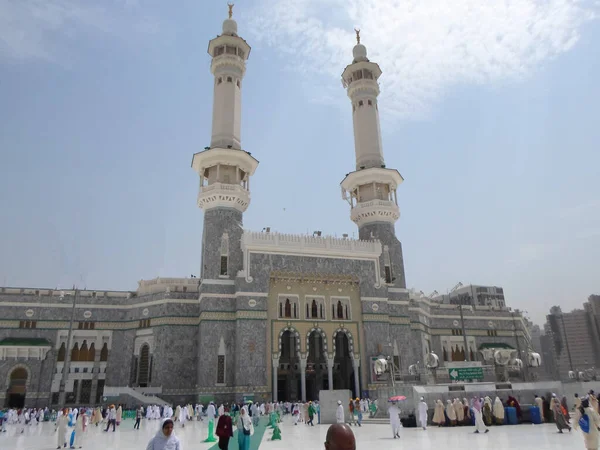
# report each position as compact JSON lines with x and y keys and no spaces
{"x":350,"y":340}
{"x":13,"y":368}
{"x":323,"y":336}
{"x":296,"y":335}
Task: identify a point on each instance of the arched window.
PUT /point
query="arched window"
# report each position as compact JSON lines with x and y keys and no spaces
{"x":314,"y":310}
{"x":288,"y":308}
{"x":321,"y":310}
{"x":144,"y":366}
{"x":83,"y":352}
{"x":104,"y":353}
{"x":340,"y":310}
{"x":75,"y":352}
{"x":224,"y":254}
{"x":92,"y":353}
{"x":61,"y":353}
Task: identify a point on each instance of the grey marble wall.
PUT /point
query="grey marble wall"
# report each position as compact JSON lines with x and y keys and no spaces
{"x":251,"y":353}
{"x":175,"y":357}
{"x":209,"y":336}
{"x":386,"y":233}
{"x":216,"y":222}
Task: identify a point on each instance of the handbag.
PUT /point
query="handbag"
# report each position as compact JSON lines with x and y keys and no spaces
{"x":246,"y":432}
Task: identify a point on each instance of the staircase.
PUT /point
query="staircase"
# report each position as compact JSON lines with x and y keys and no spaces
{"x":116,"y":391}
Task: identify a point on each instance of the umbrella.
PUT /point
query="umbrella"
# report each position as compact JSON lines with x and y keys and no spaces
{"x":397,"y":398}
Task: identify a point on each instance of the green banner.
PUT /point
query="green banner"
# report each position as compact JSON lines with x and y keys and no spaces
{"x":466,"y":373}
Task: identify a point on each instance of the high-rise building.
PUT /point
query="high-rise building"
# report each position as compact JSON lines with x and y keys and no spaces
{"x":574,"y":341}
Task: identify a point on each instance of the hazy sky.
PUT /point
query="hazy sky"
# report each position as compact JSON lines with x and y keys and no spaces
{"x":489,"y":111}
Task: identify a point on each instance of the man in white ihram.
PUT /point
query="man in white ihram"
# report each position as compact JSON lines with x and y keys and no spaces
{"x":394,"y":413}
{"x":423,"y":413}
{"x":339,"y":414}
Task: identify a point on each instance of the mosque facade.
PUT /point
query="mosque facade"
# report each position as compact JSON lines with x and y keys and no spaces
{"x":272,"y":316}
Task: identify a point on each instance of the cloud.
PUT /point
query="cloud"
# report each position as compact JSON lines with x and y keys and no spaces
{"x":423,"y":47}
{"x":37,"y":29}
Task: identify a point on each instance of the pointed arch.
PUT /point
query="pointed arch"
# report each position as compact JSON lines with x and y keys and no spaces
{"x":75,"y":353}
{"x":104,"y":353}
{"x":221,"y":362}
{"x":348,"y":335}
{"x":62,"y":352}
{"x":323,"y":337}
{"x":294,"y":333}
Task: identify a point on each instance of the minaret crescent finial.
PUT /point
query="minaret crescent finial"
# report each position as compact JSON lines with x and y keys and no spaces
{"x":357,"y":35}
{"x":231,"y":5}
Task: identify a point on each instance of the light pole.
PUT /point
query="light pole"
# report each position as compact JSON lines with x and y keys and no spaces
{"x":67,"y":363}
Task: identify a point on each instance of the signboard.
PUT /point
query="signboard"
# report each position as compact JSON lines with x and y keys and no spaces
{"x":466,"y":373}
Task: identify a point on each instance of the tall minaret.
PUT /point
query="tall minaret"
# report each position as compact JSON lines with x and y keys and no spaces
{"x":224,"y":168}
{"x":371,"y":188}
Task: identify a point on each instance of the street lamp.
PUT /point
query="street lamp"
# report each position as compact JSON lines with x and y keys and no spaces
{"x":67,"y":363}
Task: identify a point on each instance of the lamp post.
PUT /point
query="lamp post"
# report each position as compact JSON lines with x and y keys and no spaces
{"x":67,"y":363}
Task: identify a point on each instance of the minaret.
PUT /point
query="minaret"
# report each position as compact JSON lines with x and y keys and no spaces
{"x":224,"y":168}
{"x":371,"y":188}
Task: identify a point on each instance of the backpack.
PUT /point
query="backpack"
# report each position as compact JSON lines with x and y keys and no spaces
{"x":584,"y":423}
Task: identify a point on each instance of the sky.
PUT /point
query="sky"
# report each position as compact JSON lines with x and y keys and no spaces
{"x":489,"y":110}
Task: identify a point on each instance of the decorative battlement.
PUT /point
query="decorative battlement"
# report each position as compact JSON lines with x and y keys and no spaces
{"x":309,"y":245}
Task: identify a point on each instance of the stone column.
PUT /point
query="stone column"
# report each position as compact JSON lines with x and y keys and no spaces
{"x":356,"y":364}
{"x":330,"y":372}
{"x":303,"y":378}
{"x":274,"y":387}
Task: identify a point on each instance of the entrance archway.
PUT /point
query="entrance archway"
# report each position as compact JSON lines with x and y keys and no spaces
{"x":316,"y":364}
{"x":288,"y":374}
{"x":343,"y":374}
{"x":17,"y":388}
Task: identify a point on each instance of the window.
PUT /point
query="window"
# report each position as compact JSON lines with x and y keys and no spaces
{"x":224,"y":254}
{"x":104,"y":353}
{"x":457,"y":332}
{"x":288,"y":307}
{"x":387,"y":265}
{"x":86,"y":325}
{"x":230,"y":50}
{"x":368,"y":74}
{"x":238,"y":83}
{"x":229,"y":80}
{"x":219,"y":80}
{"x":144,"y":366}
{"x":27,"y":324}
{"x":75,"y":352}
{"x":144,"y":323}
{"x":241,"y":53}
{"x":369,"y":102}
{"x":360,"y":103}
{"x":61,"y":353}
{"x":219,"y":51}
{"x":221,"y":369}
{"x":340,"y":310}
{"x":493,"y":333}
{"x":358,"y":75}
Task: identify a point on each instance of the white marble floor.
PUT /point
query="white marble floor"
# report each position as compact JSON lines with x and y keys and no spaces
{"x":42,"y":437}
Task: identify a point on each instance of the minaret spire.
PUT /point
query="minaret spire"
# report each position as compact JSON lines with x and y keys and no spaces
{"x":371,"y":188}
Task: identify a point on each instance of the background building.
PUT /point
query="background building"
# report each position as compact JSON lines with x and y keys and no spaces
{"x":475,"y":295}
{"x":574,"y":341}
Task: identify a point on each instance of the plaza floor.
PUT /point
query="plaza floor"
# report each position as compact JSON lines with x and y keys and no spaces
{"x":42,"y":437}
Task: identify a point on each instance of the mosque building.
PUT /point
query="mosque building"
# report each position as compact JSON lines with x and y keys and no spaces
{"x":272,"y":316}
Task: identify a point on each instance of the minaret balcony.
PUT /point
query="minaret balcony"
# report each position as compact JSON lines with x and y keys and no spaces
{"x":375,"y":211}
{"x":223,"y":195}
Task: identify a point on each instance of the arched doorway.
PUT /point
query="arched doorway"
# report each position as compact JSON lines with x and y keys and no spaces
{"x":343,"y":374}
{"x":288,"y":374}
{"x":316,"y":365}
{"x":17,"y":388}
{"x":144,"y":367}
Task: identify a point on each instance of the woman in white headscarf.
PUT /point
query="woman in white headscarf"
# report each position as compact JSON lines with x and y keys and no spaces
{"x":438,"y":414}
{"x":245,"y":429}
{"x":460,"y":411}
{"x":165,"y":439}
{"x":451,"y":413}
{"x":183,"y":416}
{"x":498,"y":411}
